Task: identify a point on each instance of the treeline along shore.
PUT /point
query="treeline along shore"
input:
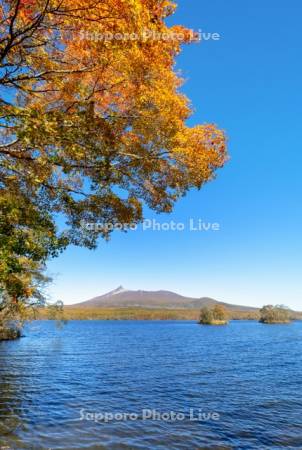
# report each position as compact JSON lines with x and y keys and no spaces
{"x":128,"y":313}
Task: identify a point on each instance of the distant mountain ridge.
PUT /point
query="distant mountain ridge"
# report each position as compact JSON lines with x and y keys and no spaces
{"x":122,"y":298}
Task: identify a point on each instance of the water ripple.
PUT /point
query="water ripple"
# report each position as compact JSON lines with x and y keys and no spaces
{"x":249,"y":374}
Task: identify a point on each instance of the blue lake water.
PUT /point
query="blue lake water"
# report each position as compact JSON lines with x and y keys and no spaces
{"x":233,"y":387}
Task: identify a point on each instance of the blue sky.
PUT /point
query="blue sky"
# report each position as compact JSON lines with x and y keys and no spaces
{"x":249,"y":84}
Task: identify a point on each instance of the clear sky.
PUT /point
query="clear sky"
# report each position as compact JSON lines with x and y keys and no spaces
{"x":249,"y":83}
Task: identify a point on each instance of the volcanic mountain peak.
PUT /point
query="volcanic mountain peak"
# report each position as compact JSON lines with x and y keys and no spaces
{"x":121,"y":297}
{"x":118,"y":290}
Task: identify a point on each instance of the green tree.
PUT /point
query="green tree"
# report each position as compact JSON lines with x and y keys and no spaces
{"x":28,"y":237}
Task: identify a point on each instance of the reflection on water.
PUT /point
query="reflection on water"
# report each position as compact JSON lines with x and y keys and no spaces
{"x":58,"y":386}
{"x":9,"y":409}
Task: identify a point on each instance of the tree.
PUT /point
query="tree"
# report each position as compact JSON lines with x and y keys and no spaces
{"x":270,"y":314}
{"x":92,"y":129}
{"x":206,"y":316}
{"x":28,"y":238}
{"x":220,"y":312}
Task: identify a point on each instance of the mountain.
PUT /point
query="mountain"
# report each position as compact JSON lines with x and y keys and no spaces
{"x":121,"y":297}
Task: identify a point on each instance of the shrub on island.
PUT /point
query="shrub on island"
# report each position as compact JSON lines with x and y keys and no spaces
{"x":271,"y":314}
{"x":216,"y":315}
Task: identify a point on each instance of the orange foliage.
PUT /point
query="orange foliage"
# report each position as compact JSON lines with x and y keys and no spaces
{"x":99,"y":100}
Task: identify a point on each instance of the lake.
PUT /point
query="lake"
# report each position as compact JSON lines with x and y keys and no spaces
{"x":152,"y":385}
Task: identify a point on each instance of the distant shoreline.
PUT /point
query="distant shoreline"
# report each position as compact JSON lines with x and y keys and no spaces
{"x":126,"y":313}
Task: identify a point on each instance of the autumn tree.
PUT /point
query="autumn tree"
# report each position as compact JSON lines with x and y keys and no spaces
{"x":92,"y":127}
{"x":271,"y":314}
{"x":206,"y":316}
{"x":215,"y":315}
{"x":220,"y":312}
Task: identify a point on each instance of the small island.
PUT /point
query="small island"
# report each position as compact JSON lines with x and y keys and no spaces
{"x":278,"y":314}
{"x":217,"y":315}
{"x":9,"y":333}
